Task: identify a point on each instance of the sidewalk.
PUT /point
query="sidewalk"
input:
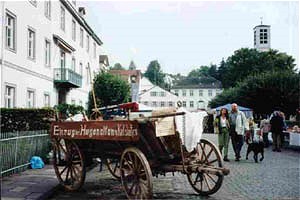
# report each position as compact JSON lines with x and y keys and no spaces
{"x":31,"y":184}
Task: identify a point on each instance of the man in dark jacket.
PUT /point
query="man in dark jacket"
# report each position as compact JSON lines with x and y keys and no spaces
{"x":276,"y":129}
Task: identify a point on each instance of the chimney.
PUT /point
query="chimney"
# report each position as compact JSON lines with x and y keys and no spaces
{"x":81,"y":11}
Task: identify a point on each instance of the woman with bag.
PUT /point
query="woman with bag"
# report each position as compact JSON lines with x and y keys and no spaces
{"x":221,"y":127}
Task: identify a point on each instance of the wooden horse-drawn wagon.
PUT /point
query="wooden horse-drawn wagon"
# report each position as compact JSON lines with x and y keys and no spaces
{"x":134,"y":152}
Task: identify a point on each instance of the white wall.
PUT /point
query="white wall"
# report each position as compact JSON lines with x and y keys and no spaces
{"x":169,"y":97}
{"x":196,"y":97}
{"x":24,"y":73}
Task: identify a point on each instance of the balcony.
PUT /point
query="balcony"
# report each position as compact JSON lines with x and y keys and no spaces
{"x":67,"y":78}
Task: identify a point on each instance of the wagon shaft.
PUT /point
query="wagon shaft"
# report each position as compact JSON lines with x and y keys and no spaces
{"x":196,"y":168}
{"x":209,"y":169}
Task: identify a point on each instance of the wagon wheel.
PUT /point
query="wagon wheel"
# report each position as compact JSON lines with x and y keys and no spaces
{"x":204,"y":183}
{"x":113,"y":166}
{"x":68,"y":164}
{"x":136,"y":175}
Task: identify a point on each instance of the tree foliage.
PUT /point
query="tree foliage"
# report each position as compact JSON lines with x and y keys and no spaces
{"x":263,"y":92}
{"x":132,"y":66}
{"x":247,"y":61}
{"x":117,"y":66}
{"x":109,"y":90}
{"x":155,"y":74}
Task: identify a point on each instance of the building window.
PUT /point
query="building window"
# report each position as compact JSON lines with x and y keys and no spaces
{"x":81,"y":37}
{"x":162,"y":94}
{"x":80,"y":103}
{"x":48,"y":9}
{"x":184,"y":104}
{"x":176,"y":92}
{"x":88,"y":73}
{"x":10,"y":31}
{"x":170,"y":104}
{"x":46,"y":100}
{"x":146,"y":103}
{"x":73,"y":30}
{"x":73,"y":64}
{"x":200,"y":93}
{"x":95,"y":49}
{"x":87,"y":43}
{"x":154,"y":104}
{"x":80,"y":69}
{"x":31,"y":44}
{"x":73,"y":101}
{"x":33,"y":2}
{"x":30,"y":99}
{"x":254,"y":37}
{"x":62,"y":18}
{"x":191,"y":93}
{"x":209,"y":93}
{"x":162,"y":104}
{"x":192,"y":104}
{"x":153,"y":94}
{"x":47,"y":53}
{"x":62,"y":59}
{"x":263,"y":36}
{"x":184,"y":93}
{"x":9,"y":96}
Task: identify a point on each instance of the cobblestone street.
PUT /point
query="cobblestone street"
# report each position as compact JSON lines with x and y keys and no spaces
{"x":276,"y":177}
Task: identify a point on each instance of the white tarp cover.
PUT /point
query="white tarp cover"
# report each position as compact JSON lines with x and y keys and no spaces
{"x":190,"y":127}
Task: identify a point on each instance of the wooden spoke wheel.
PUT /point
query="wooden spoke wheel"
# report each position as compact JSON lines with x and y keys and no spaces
{"x":207,"y":154}
{"x":136,"y":175}
{"x":113,"y":166}
{"x":68,"y":164}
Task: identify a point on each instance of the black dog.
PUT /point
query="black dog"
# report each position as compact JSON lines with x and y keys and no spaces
{"x":256,"y":148}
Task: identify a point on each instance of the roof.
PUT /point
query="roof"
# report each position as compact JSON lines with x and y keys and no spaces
{"x":81,"y":20}
{"x":155,"y":86}
{"x":215,"y":85}
{"x":262,"y":26}
{"x":125,"y":74}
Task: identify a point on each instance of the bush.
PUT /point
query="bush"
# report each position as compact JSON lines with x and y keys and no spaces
{"x":20,"y":119}
{"x":66,"y":109}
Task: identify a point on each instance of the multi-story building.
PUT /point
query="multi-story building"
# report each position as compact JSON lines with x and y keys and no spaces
{"x":197,"y":97}
{"x":48,"y":53}
{"x":262,"y":37}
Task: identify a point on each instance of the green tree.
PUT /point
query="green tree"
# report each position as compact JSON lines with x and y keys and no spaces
{"x":132,"y":66}
{"x":263,"y":92}
{"x":117,"y":66}
{"x":247,"y":61}
{"x":155,"y":74}
{"x":109,"y":90}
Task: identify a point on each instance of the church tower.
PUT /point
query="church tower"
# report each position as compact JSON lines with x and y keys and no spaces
{"x":262,"y":37}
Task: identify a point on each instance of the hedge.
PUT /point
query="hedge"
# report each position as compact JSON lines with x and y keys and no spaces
{"x":20,"y":119}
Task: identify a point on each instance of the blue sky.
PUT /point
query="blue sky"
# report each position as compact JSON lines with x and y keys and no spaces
{"x":183,"y":35}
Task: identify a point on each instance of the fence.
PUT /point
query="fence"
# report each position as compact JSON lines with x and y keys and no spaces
{"x":16,"y":149}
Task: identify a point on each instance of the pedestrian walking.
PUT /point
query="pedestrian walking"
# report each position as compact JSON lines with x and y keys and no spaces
{"x":238,"y":126}
{"x":277,"y":126}
{"x":221,"y":127}
{"x":265,"y":129}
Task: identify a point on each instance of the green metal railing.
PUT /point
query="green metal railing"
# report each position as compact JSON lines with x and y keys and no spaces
{"x":65,"y":75}
{"x":17,"y":148}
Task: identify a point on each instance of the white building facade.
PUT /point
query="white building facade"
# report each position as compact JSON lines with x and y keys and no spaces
{"x":196,"y":97}
{"x":158,"y":98}
{"x":48,"y":54}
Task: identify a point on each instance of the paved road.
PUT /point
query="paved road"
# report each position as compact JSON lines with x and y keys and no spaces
{"x":276,"y":177}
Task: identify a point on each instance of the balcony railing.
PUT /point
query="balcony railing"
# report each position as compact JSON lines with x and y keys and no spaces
{"x":64,"y":77}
